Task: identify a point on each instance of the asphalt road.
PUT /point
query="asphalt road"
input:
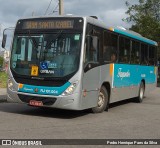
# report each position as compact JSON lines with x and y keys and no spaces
{"x":125,"y":120}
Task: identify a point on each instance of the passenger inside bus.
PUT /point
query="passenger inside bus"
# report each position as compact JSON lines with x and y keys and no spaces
{"x":109,"y":54}
{"x":113,"y":58}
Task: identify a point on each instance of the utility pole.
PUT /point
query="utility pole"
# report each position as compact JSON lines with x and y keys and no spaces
{"x":61,"y":9}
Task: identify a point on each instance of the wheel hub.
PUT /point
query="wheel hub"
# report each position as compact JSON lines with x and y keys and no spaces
{"x":101,"y":100}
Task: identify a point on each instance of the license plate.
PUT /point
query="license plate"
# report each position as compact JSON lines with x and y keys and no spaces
{"x":35,"y":103}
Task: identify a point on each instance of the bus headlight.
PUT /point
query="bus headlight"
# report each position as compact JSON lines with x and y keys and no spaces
{"x":10,"y":84}
{"x":70,"y":89}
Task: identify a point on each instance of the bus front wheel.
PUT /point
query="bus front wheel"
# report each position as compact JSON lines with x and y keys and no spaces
{"x":141,"y":93}
{"x":103,"y":101}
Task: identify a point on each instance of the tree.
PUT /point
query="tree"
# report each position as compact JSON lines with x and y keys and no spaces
{"x":145,"y":17}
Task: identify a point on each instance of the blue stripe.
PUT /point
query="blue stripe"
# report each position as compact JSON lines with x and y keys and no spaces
{"x":136,"y":37}
{"x":42,"y":90}
{"x":128,"y":75}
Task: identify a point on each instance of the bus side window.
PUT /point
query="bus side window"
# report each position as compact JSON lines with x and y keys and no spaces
{"x":135,"y":52}
{"x":144,"y":54}
{"x":92,"y":43}
{"x":124,"y":50}
{"x":152,"y":53}
{"x":110,"y":47}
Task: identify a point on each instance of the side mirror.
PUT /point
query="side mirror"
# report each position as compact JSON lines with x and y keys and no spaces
{"x":7,"y":32}
{"x":4,"y":40}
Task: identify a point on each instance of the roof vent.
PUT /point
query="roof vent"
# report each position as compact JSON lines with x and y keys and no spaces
{"x":94,"y":17}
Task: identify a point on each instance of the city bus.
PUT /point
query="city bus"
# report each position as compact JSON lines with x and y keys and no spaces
{"x":78,"y":63}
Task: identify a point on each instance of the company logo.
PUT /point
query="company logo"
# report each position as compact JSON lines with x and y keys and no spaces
{"x":47,"y":71}
{"x":52,"y":65}
{"x":21,"y":142}
{"x":122,"y":74}
{"x":6,"y":142}
{"x":43,"y":65}
{"x":28,"y":89}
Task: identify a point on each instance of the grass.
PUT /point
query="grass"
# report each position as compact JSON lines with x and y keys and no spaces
{"x":3,"y":79}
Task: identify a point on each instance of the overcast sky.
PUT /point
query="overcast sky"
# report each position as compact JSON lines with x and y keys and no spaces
{"x":110,"y":11}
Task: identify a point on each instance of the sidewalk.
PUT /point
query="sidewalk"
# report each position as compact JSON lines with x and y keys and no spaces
{"x":3,"y":94}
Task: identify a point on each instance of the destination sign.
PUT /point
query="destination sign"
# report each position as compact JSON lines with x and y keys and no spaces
{"x":48,"y":24}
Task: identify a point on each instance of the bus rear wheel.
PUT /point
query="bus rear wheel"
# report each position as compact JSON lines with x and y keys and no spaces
{"x":103,"y":101}
{"x":141,"y":93}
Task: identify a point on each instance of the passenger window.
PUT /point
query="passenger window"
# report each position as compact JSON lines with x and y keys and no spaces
{"x":152,"y":54}
{"x":92,"y":46}
{"x":135,"y":53}
{"x":144,"y":54}
{"x":110,"y":47}
{"x":124,"y":50}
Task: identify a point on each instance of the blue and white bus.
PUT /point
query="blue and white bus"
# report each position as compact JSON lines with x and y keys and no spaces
{"x":78,"y":63}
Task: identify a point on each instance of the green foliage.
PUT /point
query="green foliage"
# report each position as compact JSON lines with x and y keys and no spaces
{"x":1,"y":61}
{"x":145,"y":17}
{"x":3,"y":79}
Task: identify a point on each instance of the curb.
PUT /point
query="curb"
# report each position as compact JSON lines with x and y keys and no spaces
{"x":3,"y":98}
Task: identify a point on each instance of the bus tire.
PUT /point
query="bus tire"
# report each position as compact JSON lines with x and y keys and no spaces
{"x":141,"y":93}
{"x":103,"y":101}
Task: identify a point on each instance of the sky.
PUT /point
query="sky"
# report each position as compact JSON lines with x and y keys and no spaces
{"x":109,"y":11}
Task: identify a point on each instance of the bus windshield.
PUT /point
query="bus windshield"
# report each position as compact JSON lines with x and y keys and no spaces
{"x":46,"y":55}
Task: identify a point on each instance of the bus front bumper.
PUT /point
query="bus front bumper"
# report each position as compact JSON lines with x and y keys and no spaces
{"x":71,"y":102}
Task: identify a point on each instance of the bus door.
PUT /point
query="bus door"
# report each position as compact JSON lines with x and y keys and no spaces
{"x":91,"y":77}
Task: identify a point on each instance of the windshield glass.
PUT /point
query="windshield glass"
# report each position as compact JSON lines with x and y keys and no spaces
{"x":46,"y":55}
